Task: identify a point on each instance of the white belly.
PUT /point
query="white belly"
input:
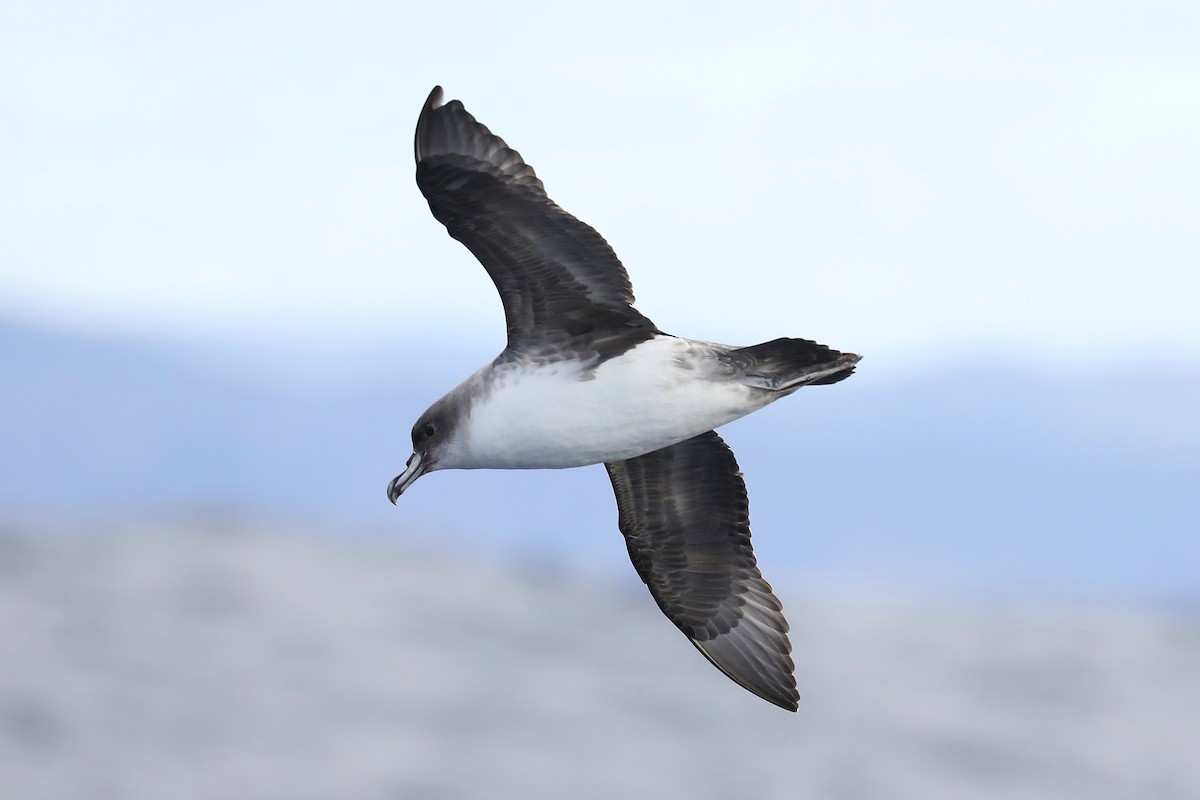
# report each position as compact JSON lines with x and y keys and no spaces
{"x":663,"y":391}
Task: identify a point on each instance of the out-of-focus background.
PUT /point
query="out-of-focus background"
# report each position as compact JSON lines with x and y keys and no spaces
{"x":223,"y":302}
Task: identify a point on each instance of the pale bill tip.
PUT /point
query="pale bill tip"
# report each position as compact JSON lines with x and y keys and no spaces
{"x":412,"y":470}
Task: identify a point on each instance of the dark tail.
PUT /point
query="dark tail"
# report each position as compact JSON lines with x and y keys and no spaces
{"x":784,"y":365}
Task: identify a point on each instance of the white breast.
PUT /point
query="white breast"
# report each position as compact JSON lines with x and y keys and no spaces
{"x":659,"y":393}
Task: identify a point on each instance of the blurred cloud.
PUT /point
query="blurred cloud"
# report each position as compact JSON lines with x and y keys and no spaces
{"x":913,"y":181}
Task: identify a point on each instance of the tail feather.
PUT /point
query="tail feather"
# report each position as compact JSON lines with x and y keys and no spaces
{"x":784,"y":365}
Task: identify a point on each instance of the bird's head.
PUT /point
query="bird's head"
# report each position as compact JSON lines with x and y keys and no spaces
{"x":432,"y":436}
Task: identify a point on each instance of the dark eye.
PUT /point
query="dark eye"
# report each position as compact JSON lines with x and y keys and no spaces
{"x":430,"y":429}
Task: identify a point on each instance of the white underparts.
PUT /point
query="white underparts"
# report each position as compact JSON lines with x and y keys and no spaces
{"x":659,"y":393}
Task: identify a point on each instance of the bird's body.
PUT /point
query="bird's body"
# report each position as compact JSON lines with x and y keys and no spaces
{"x":588,"y":379}
{"x":566,"y":414}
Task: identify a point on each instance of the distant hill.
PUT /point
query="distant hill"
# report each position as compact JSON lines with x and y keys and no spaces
{"x":983,"y":476}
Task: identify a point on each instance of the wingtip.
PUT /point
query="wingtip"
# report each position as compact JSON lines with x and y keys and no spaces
{"x":776,"y":684}
{"x":790,"y":701}
{"x":435,"y":98}
{"x":434,"y":101}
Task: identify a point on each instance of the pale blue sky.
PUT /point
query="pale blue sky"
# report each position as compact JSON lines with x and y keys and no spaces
{"x":913,"y":181}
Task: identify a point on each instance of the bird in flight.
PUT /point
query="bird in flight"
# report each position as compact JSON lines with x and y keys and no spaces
{"x":587,"y":379}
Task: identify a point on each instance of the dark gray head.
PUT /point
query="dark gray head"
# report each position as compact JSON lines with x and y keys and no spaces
{"x":430,"y":435}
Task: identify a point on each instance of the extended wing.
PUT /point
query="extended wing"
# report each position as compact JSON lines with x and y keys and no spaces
{"x":685,"y":516}
{"x":565,"y":293}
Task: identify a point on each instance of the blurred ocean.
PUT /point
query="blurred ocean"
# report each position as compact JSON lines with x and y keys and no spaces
{"x":164,"y":661}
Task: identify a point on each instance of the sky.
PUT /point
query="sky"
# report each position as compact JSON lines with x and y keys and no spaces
{"x":918,"y":182}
